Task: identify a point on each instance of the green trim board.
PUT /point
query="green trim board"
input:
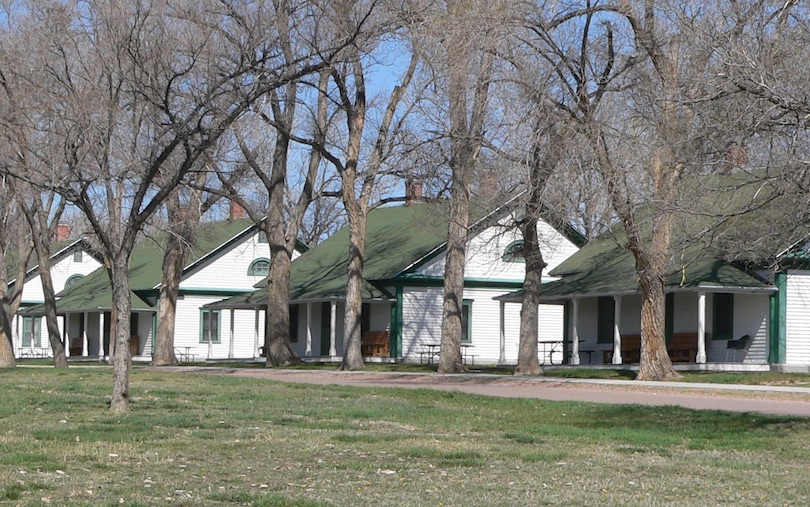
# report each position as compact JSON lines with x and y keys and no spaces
{"x":722,"y":316}
{"x":396,"y":324}
{"x":777,"y":340}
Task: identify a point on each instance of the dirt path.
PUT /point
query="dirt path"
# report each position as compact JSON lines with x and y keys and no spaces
{"x":763,"y":399}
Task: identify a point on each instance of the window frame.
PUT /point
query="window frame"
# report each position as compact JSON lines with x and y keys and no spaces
{"x":72,"y":279}
{"x":466,"y":321}
{"x":31,"y":332}
{"x":216,"y":338}
{"x":514,"y":252}
{"x":78,"y":256}
{"x":251,"y":268}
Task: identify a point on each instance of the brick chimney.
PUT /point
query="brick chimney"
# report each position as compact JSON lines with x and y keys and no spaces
{"x":237,"y":212}
{"x":487,"y":184}
{"x":413,"y":192}
{"x":736,"y":157}
{"x":62,"y":232}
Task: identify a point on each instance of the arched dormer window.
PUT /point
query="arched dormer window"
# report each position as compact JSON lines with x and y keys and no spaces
{"x":514,"y":252}
{"x":72,"y":280}
{"x":259,"y":267}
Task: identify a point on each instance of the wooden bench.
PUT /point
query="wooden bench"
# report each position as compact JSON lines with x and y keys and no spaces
{"x":681,"y":347}
{"x":375,"y":344}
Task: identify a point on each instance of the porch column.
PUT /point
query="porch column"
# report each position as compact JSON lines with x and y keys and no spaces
{"x":84,"y":334}
{"x":332,"y":326}
{"x":256,"y":334}
{"x":617,"y":336}
{"x":100,"y":335}
{"x":701,"y":329}
{"x":65,"y":336}
{"x":574,"y":332}
{"x":502,"y":357}
{"x":64,"y":328}
{"x":231,"y":337}
{"x":308,"y":350}
{"x":210,"y":331}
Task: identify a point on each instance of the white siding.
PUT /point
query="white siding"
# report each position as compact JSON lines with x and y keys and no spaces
{"x":485,"y":251}
{"x":751,"y":318}
{"x":229,"y":269}
{"x":187,"y":330}
{"x":60,"y":272}
{"x":797,"y":313}
{"x":422,"y":320}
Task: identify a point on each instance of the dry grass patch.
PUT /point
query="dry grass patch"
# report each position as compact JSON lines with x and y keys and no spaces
{"x":204,"y":440}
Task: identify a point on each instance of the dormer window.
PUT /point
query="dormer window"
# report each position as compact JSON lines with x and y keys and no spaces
{"x":514,"y":252}
{"x":259,"y":267}
{"x":72,"y":280}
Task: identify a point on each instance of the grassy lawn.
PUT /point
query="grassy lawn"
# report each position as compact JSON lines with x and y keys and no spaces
{"x":198,"y":440}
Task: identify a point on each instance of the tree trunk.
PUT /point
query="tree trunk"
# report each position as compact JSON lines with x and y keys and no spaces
{"x":277,"y":343}
{"x":58,"y":349}
{"x":352,"y":339}
{"x":655,"y":363}
{"x":10,"y":302}
{"x":173,"y":261}
{"x":121,"y":358}
{"x":6,"y":345}
{"x":528,"y":362}
{"x":450,"y":360}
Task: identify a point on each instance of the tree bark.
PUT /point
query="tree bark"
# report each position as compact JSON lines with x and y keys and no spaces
{"x":528,"y":362}
{"x":121,"y":358}
{"x":57,"y":348}
{"x":352,"y":339}
{"x":277,"y":342}
{"x":10,"y":301}
{"x":450,"y":360}
{"x":173,"y":261}
{"x":7,"y":359}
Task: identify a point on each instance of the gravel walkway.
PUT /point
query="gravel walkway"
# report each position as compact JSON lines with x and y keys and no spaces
{"x":776,"y":400}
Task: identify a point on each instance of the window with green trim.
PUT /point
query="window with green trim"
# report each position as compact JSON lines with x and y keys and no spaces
{"x":77,"y":256}
{"x":722,"y":316}
{"x":72,"y":280}
{"x":209,"y":319}
{"x":605,"y":315}
{"x":32,"y":331}
{"x":259,"y":267}
{"x":262,"y":237}
{"x":514,"y":252}
{"x":466,"y":321}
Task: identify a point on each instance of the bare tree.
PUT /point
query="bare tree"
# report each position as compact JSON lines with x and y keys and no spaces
{"x":184,"y":209}
{"x":145,"y":91}
{"x":469,"y":67}
{"x":15,"y":250}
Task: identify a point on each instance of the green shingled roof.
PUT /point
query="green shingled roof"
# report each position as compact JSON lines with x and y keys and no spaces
{"x":93,"y":292}
{"x":396,"y":237}
{"x":606,"y":266}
